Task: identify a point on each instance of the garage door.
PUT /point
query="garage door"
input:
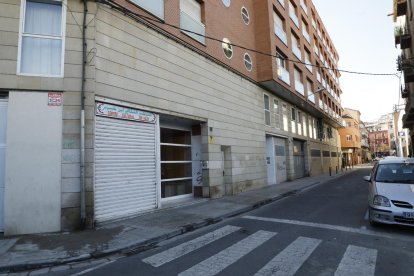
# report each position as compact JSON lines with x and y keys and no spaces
{"x":299,"y":158}
{"x":125,"y":162}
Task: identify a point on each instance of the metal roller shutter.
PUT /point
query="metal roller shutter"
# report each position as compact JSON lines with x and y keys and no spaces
{"x":125,"y":168}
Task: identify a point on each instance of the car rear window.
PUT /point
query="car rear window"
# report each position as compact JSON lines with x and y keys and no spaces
{"x":395,"y":173}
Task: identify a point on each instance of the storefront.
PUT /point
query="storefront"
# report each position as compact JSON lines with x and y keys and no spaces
{"x":143,"y":160}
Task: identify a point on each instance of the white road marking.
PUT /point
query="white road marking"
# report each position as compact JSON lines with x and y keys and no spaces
{"x":187,"y":247}
{"x":92,"y":268}
{"x":291,"y":258}
{"x":332,"y":227}
{"x":357,"y":261}
{"x":228,"y":256}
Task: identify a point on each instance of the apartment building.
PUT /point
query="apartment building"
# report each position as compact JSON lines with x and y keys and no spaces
{"x":404,"y":31}
{"x":382,"y":135}
{"x":351,"y":137}
{"x":114,"y":108}
{"x":366,"y":154}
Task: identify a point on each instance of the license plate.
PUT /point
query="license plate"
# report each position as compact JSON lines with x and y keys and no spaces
{"x":409,"y":215}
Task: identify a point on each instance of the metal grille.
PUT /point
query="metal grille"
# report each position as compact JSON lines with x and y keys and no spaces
{"x":402,"y":204}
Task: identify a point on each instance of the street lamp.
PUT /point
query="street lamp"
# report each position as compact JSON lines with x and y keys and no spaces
{"x":317,"y":91}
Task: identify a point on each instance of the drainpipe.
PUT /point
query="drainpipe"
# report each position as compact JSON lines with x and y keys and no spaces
{"x":82,"y":121}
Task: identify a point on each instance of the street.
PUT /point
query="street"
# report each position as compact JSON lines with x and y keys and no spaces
{"x":321,"y":231}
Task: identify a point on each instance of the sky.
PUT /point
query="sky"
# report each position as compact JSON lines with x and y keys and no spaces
{"x":363,"y":36}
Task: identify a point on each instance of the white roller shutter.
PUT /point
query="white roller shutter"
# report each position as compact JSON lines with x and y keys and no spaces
{"x":125,"y":168}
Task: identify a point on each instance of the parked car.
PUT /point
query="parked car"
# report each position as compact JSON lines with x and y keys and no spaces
{"x":391,"y":192}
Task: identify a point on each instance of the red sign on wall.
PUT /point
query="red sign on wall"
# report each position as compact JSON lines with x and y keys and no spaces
{"x":54,"y":99}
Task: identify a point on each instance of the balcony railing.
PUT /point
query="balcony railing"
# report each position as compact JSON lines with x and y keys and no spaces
{"x":407,"y":66}
{"x":283,"y":74}
{"x":311,"y":97}
{"x":188,"y":23}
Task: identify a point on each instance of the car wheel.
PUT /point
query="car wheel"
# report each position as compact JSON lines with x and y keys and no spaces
{"x":371,"y":221}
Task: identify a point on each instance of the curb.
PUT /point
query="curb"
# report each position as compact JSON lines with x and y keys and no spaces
{"x":139,"y":247}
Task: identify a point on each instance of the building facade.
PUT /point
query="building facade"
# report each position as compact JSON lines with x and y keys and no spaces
{"x":114,"y":108}
{"x":366,"y":154}
{"x":404,"y":31}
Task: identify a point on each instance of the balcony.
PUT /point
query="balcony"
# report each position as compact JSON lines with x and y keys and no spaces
{"x":407,"y":66}
{"x":198,"y":30}
{"x":318,"y":76}
{"x":401,"y":7}
{"x":402,"y":37}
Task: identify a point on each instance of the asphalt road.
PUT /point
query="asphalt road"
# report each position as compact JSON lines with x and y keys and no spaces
{"x":320,"y":231}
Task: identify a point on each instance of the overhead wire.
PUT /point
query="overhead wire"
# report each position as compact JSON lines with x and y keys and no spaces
{"x":147,"y":18}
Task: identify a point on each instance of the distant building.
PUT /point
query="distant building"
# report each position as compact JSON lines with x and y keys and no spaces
{"x":351,"y":137}
{"x":382,"y":135}
{"x":365,"y":143}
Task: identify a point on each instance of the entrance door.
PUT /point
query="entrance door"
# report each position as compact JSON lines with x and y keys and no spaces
{"x":280,"y":159}
{"x":299,"y":159}
{"x":3,"y":122}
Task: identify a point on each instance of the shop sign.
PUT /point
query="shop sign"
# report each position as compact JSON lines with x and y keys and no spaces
{"x":54,"y":99}
{"x":125,"y":113}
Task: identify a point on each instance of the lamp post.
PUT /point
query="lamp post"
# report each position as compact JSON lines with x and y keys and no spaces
{"x":316,"y":91}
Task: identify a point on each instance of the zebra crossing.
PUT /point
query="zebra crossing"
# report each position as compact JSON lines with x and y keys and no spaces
{"x":355,"y":261}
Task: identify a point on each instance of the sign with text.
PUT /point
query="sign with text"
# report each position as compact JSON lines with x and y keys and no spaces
{"x":54,"y":99}
{"x":125,"y":113}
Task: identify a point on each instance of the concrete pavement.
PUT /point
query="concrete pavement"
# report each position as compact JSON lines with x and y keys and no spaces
{"x":136,"y":234}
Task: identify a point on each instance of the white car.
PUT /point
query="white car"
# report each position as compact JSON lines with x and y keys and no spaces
{"x":391,"y":192}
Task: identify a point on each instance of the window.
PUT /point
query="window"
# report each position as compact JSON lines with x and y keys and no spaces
{"x":293,"y":14}
{"x":41,"y":49}
{"x":248,"y":62}
{"x":311,"y":96}
{"x":190,"y":19}
{"x":176,"y":164}
{"x":293,"y":114}
{"x":305,"y":31}
{"x":349,"y":137}
{"x":299,"y":121}
{"x":156,"y":7}
{"x":303,"y":5}
{"x":227,"y":48}
{"x":226,"y":3}
{"x":298,"y":81}
{"x":282,"y":67}
{"x":276,"y":112}
{"x":308,"y":63}
{"x":348,"y":124}
{"x":279,"y":27}
{"x":245,"y":15}
{"x":285,"y":117}
{"x":305,"y":125}
{"x":296,"y":46}
{"x":266,"y":109}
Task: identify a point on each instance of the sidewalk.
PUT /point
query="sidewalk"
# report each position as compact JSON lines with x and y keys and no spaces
{"x":141,"y":232}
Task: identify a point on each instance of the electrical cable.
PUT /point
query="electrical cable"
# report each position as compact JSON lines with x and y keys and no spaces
{"x":147,"y":18}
